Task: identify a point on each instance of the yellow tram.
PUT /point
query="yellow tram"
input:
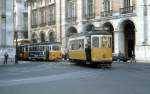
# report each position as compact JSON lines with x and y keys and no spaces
{"x":45,"y":51}
{"x":23,"y":52}
{"x":22,"y":49}
{"x":100,"y":43}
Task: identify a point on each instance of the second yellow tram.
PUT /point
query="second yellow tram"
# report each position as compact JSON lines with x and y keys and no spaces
{"x":45,"y":51}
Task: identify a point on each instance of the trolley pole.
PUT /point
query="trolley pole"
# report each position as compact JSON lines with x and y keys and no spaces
{"x":16,"y":56}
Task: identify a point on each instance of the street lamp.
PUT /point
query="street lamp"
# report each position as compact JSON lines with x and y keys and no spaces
{"x":16,"y":56}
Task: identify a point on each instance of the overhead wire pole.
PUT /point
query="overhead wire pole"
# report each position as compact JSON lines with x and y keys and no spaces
{"x":16,"y":56}
{"x":16,"y":35}
{"x":145,"y":19}
{"x":145,"y":22}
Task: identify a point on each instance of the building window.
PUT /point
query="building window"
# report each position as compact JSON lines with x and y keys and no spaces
{"x":25,"y":20}
{"x":51,"y":37}
{"x":41,"y":2}
{"x":107,"y":8}
{"x":26,"y":4}
{"x":127,"y":7}
{"x":25,"y":34}
{"x":42,"y":37}
{"x":34,"y":18}
{"x":34,"y":38}
{"x":89,"y":8}
{"x":51,"y":14}
{"x":107,"y":5}
{"x":71,"y":8}
{"x":42,"y":17}
{"x":33,"y":4}
{"x":50,"y":1}
{"x":126,"y":3}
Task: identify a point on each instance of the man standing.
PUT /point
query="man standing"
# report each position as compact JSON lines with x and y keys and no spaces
{"x":5,"y":58}
{"x":66,"y":54}
{"x":88,"y":54}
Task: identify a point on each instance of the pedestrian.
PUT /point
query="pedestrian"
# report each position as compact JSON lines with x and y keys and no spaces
{"x":88,"y":54}
{"x":66,"y":54}
{"x":5,"y":58}
{"x":47,"y":54}
{"x":133,"y":60}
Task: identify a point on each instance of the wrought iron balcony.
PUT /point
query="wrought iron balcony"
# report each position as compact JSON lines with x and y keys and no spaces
{"x":126,"y":10}
{"x":71,"y":19}
{"x":106,"y":13}
{"x":42,"y":24}
{"x":34,"y":26}
{"x":53,"y":22}
{"x":3,"y":16}
{"x":89,"y":15}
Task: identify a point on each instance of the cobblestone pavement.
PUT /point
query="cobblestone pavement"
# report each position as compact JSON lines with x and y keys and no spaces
{"x":67,"y":78}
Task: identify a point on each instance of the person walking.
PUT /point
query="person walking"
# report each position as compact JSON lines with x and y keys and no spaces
{"x":66,"y":54}
{"x":133,"y":60}
{"x":5,"y":58}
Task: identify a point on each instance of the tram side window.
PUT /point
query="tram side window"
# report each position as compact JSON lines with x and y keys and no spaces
{"x":21,"y":48}
{"x":40,"y":48}
{"x":56,"y":48}
{"x":81,"y":44}
{"x":110,"y":42}
{"x":31,"y":48}
{"x":71,"y":45}
{"x":76,"y":44}
{"x":95,"y":42}
{"x":25,"y":48}
{"x":103,"y":42}
{"x":45,"y":48}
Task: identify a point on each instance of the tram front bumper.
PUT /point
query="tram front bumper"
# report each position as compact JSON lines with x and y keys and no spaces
{"x":102,"y":60}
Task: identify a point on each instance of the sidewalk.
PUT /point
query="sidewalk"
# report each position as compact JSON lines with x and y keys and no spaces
{"x":137,"y":61}
{"x":10,"y":61}
{"x":143,"y":61}
{"x":13,"y":62}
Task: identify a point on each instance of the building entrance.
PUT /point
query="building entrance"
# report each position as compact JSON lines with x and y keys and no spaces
{"x":129,"y":38}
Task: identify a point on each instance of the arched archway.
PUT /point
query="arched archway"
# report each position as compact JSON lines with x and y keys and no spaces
{"x":128,"y":29}
{"x":51,"y":37}
{"x":110,"y":29}
{"x":34,"y":38}
{"x":71,"y":31}
{"x":90,"y":27}
{"x":42,"y":37}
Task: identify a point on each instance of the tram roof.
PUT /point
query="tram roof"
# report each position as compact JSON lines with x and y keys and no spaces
{"x":46,"y":43}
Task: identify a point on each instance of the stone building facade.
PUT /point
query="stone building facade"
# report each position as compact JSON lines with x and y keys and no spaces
{"x":6,"y":29}
{"x":6,"y":23}
{"x":127,"y":20}
{"x":44,"y":20}
{"x":21,"y":18}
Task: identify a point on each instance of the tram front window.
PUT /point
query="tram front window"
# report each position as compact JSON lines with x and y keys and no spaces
{"x":105,"y":42}
{"x":95,"y":42}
